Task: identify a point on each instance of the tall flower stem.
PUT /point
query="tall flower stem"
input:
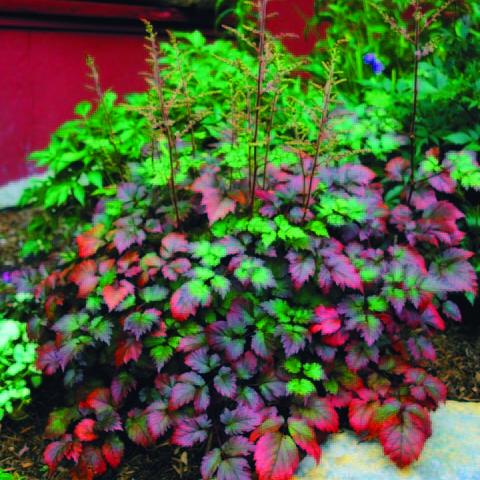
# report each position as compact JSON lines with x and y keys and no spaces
{"x":412,"y":132}
{"x":158,"y":84}
{"x":327,"y":96}
{"x":262,"y":16}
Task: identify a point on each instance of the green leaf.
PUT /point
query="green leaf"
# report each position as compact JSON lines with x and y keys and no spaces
{"x":83,"y":108}
{"x":459,"y":138}
{"x":331,"y":386}
{"x":313,"y":370}
{"x":95,"y":178}
{"x":318,"y":228}
{"x":301,"y":386}
{"x":292,"y":365}
{"x":79,"y":193}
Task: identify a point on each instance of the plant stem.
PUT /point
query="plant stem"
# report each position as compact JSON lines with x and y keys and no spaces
{"x":269,"y":135}
{"x":262,"y":14}
{"x":412,"y":134}
{"x":323,"y":121}
{"x":158,"y":85}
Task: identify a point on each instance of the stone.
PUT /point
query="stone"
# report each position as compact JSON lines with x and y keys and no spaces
{"x":11,"y":192}
{"x":451,"y":453}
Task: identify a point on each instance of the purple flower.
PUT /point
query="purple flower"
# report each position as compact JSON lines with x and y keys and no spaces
{"x":374,"y":62}
{"x":378,"y":67}
{"x":369,"y":58}
{"x":6,"y":277}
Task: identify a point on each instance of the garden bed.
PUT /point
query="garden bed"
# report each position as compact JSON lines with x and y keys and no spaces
{"x":21,"y":442}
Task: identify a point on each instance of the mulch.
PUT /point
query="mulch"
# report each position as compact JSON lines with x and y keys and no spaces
{"x":21,"y":443}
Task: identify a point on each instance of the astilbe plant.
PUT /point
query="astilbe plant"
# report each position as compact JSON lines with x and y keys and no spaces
{"x":247,"y":308}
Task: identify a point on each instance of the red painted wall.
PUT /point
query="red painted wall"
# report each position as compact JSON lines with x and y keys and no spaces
{"x":43,"y":75}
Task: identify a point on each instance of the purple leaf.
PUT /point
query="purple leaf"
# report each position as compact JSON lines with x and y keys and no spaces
{"x":200,"y":361}
{"x":451,"y":310}
{"x":237,"y":446}
{"x":451,"y":272}
{"x":122,"y":384}
{"x":216,"y":205}
{"x":158,"y":419}
{"x":240,"y":420}
{"x":248,"y":397}
{"x":175,"y":268}
{"x":359,"y":355}
{"x":190,"y":431}
{"x":225,"y":382}
{"x":234,"y":469}
{"x":301,"y":269}
{"x":181,"y":394}
{"x":220,"y":338}
{"x":259,"y":345}
{"x":246,"y":366}
{"x":271,"y":387}
{"x":210,"y":463}
{"x":141,"y":322}
{"x":202,"y":399}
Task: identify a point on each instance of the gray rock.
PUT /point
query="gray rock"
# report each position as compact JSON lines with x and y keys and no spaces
{"x":451,"y":453}
{"x":11,"y":192}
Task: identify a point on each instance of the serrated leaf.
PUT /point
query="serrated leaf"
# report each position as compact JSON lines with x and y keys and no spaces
{"x":276,"y":457}
{"x":240,"y":420}
{"x":304,"y":436}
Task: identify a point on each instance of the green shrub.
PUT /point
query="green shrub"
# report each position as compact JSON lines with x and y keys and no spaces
{"x":17,"y":366}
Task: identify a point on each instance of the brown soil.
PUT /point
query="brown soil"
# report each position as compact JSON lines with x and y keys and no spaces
{"x":21,"y":444}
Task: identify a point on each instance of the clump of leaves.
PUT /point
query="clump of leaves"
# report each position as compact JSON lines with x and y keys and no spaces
{"x":17,"y":367}
{"x":238,"y":297}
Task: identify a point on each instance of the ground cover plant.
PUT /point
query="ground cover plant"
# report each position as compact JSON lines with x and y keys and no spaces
{"x":17,"y":367}
{"x":253,"y":281}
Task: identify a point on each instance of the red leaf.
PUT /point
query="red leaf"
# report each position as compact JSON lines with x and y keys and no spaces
{"x":98,"y":399}
{"x":319,"y":413}
{"x":276,"y":457}
{"x":182,"y":304}
{"x":360,"y":412}
{"x":304,"y":437}
{"x":215,"y":206}
{"x":129,"y":349}
{"x":73,"y":451}
{"x":84,"y":430}
{"x":83,"y":275}
{"x":431,"y":317}
{"x":403,"y":440}
{"x":89,"y":242}
{"x":327,"y":320}
{"x":91,"y":463}
{"x":113,"y":450}
{"x":397,"y":168}
{"x":114,"y":296}
{"x":173,"y":243}
{"x":54,"y":454}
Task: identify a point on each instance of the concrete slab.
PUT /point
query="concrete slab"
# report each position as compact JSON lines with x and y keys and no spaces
{"x":451,"y":453}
